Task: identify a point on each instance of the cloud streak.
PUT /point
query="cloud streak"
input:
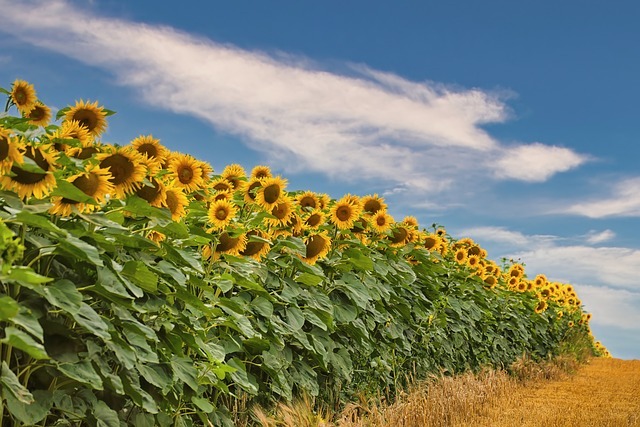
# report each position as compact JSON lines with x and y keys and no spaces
{"x":368,"y":125}
{"x":625,"y":202}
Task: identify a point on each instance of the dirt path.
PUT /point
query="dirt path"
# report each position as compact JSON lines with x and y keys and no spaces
{"x":605,"y":392}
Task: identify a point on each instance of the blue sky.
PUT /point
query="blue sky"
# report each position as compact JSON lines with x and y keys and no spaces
{"x":514,"y":123}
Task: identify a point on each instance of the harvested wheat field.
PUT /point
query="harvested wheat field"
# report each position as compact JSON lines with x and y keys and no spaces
{"x":604,"y":392}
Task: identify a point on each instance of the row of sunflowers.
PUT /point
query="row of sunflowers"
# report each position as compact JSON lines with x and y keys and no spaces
{"x":248,"y":211}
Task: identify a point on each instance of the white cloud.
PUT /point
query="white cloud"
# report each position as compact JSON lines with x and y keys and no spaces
{"x":595,"y":237}
{"x":364,"y":126}
{"x":611,"y":307}
{"x":505,"y":236}
{"x":536,"y":162}
{"x":624,"y":202}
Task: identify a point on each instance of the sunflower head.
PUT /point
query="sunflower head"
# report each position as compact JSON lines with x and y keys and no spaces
{"x":235,"y":175}
{"x":71,"y":129}
{"x":250,"y":189}
{"x":257,"y":245}
{"x":40,"y":115}
{"x":94,"y":182}
{"x":176,"y":202}
{"x":127,"y":168}
{"x":410,"y":221}
{"x":260,"y":172}
{"x":229,"y":244}
{"x":221,"y":213}
{"x":432,"y":242}
{"x":381,"y":221}
{"x":89,"y":115}
{"x":373,"y":204}
{"x":186,"y":173}
{"x":308,"y":199}
{"x":154,"y":192}
{"x":281,"y":213}
{"x":490,"y":282}
{"x":28,"y":182}
{"x":345,"y":212}
{"x":316,"y":246}
{"x":542,"y":306}
{"x":151,"y":150}
{"x":460,"y":255}
{"x":400,"y":236}
{"x":23,"y":95}
{"x":270,"y":192}
{"x":10,"y":150}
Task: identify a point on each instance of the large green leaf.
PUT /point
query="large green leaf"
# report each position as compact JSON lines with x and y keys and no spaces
{"x":140,"y":274}
{"x":23,"y":341}
{"x":183,"y":369}
{"x":105,"y":416}
{"x":31,"y":413}
{"x":11,"y":385}
{"x":64,"y":294}
{"x":91,"y":320}
{"x":80,"y":249}
{"x":9,"y":308}
{"x":83,"y":372}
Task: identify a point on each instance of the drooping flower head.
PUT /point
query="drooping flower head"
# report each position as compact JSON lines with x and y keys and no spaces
{"x":27,"y":182}
{"x":23,"y":95}
{"x":176,"y":202}
{"x":155,"y":194}
{"x":257,"y":245}
{"x":317,"y":246}
{"x":10,"y":150}
{"x":127,"y":169}
{"x":40,"y":115}
{"x":89,"y":115}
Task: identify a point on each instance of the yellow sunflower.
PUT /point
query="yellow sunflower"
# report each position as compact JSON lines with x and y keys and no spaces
{"x":40,"y":115}
{"x":317,"y":246}
{"x":151,"y":150}
{"x":360,"y":225}
{"x":542,"y":306}
{"x":381,"y":221}
{"x":256,"y":248}
{"x":308,"y":199}
{"x":373,"y":204}
{"x":324,"y":200}
{"x":222,"y":195}
{"x":410,"y":221}
{"x":27,"y":183}
{"x":176,"y":202}
{"x":270,"y":192}
{"x":71,"y":130}
{"x":84,"y":153}
{"x":260,"y":172}
{"x":400,"y":236}
{"x":432,"y":242}
{"x":221,"y":213}
{"x":10,"y":150}
{"x":227,"y":244}
{"x":23,"y":95}
{"x":473,"y":261}
{"x":156,"y":236}
{"x":295,"y":224}
{"x":94,"y":182}
{"x":207,"y":170}
{"x":521,"y":286}
{"x":491,"y":281}
{"x":250,"y":189}
{"x":460,"y":256}
{"x":92,"y":117}
{"x":155,"y":194}
{"x":127,"y":168}
{"x":235,"y":175}
{"x":345,"y":212}
{"x":281,"y":212}
{"x":516,"y":270}
{"x":221,"y":184}
{"x":186,"y":173}
{"x":441,"y":232}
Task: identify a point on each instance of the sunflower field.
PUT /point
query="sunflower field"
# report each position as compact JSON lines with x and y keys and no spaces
{"x":140,"y":287}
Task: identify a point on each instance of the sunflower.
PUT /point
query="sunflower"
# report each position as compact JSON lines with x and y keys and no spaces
{"x":23,"y":95}
{"x":373,"y":204}
{"x":221,"y":184}
{"x":40,"y":115}
{"x":71,"y":129}
{"x":461,"y":256}
{"x":84,"y":153}
{"x":432,"y":242}
{"x":221,"y":213}
{"x":540,"y":280}
{"x":410,"y":221}
{"x":516,"y":270}
{"x":441,"y":232}
{"x":269,"y":194}
{"x":222,"y":195}
{"x":156,"y":236}
{"x":521,"y":286}
{"x":570,"y":324}
{"x":474,"y":250}
{"x":381,"y":221}
{"x":542,"y":306}
{"x":400,"y":236}
{"x":345,"y":212}
{"x":512,"y":281}
{"x":151,"y":150}
{"x":324,"y":200}
{"x":10,"y":151}
{"x":92,"y":117}
{"x":127,"y":168}
{"x":94,"y":182}
{"x":473,"y":261}
{"x":361,"y":225}
{"x":31,"y":183}
{"x":308,"y":199}
{"x":281,"y":212}
{"x":257,"y":248}
{"x":295,"y":224}
{"x":155,"y":194}
{"x":250,"y":189}
{"x":227,"y":244}
{"x":186,"y":173}
{"x":491,"y":281}
{"x":235,"y":175}
{"x":560,"y":314}
{"x":176,"y":201}
{"x":317,"y":246}
{"x":260,"y":172}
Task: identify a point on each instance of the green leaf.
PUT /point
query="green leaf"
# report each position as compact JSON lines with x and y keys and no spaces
{"x":156,"y":375}
{"x":62,"y":112}
{"x":63,"y":294}
{"x":184,"y":369}
{"x":203,"y":404}
{"x":309,"y":279}
{"x":144,"y":420}
{"x":9,"y":308}
{"x":29,"y":323}
{"x":38,"y":221}
{"x":140,"y":274}
{"x":26,"y":277}
{"x":242,"y":378}
{"x":30,"y":414}
{"x":358,"y":259}
{"x":92,"y":321}
{"x":83,"y":372}
{"x":105,"y":416}
{"x":69,"y":191}
{"x":80,"y":249}
{"x":11,"y":385}
{"x":295,"y":318}
{"x":141,"y":208}
{"x":262,"y":306}
{"x":23,"y":341}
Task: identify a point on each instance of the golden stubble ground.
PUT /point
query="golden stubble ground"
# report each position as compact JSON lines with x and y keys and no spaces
{"x":604,"y":392}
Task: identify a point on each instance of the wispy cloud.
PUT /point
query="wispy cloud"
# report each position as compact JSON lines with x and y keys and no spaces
{"x":368,"y":125}
{"x":611,"y":307}
{"x":505,"y":236}
{"x":595,"y":237}
{"x":537,"y":162}
{"x":625,"y":201}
